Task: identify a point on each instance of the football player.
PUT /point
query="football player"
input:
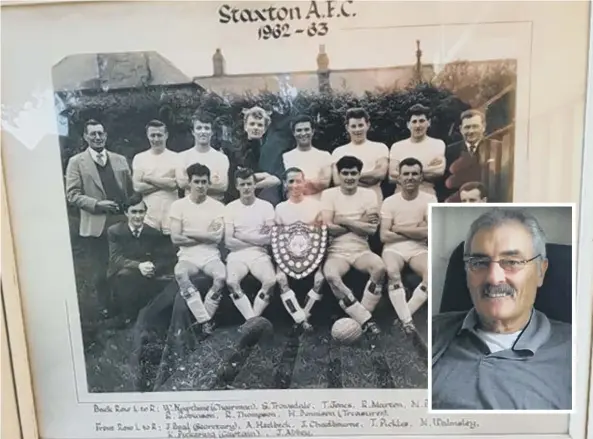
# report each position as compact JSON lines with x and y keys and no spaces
{"x":154,"y":176}
{"x":315,"y":163}
{"x":374,"y":156}
{"x":197,"y":227}
{"x":404,"y":233}
{"x":351,"y":214}
{"x":473,"y":192}
{"x":248,"y":222}
{"x":307,"y":210}
{"x":430,"y":152}
{"x":203,"y":153}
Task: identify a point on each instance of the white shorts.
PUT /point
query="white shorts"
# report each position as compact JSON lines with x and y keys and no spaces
{"x":348,"y":251}
{"x":202,"y":258}
{"x":249,"y":257}
{"x":157,"y":214}
{"x":406,"y":249}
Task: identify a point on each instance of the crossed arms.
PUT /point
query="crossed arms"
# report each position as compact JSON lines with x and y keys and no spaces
{"x":339,"y":225}
{"x":184,"y":238}
{"x":368,"y":178}
{"x":390,"y":233}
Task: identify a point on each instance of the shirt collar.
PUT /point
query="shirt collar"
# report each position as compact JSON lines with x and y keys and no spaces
{"x":533,"y":336}
{"x":133,"y":229}
{"x":477,"y":145}
{"x":95,"y":154}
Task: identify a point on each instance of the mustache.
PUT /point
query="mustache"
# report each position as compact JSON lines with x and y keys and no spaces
{"x":498,"y":290}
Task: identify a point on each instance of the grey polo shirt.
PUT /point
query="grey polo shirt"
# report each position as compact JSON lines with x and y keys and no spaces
{"x":535,"y":374}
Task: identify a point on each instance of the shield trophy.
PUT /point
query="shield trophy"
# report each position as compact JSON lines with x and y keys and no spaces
{"x":299,"y":248}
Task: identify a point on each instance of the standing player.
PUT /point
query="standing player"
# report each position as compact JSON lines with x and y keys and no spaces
{"x":197,"y":227}
{"x":249,"y":222}
{"x":351,"y":214}
{"x":430,"y":152}
{"x":203,"y":153}
{"x":153,"y":174}
{"x":404,"y":232}
{"x":307,"y":210}
{"x":373,"y":155}
{"x":314,"y":163}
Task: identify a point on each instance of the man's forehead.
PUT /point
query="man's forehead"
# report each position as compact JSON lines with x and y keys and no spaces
{"x":156,"y":129}
{"x":255,"y":119}
{"x":95,"y":127}
{"x":472,"y":120}
{"x":409,"y":168}
{"x":356,"y":121}
{"x":349,"y":170}
{"x":202,"y":124}
{"x":302,"y":125}
{"x":418,"y":117}
{"x":472,"y":193}
{"x":504,"y":238}
{"x":294,"y":176}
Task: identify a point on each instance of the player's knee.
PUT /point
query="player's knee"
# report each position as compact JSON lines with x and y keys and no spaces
{"x":268,"y":282}
{"x":378,"y":271}
{"x":318,"y":282}
{"x":233,"y":283}
{"x":281,"y":280}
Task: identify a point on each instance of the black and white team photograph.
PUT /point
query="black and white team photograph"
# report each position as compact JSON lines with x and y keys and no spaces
{"x":270,"y":230}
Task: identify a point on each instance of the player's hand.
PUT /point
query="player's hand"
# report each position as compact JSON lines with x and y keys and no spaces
{"x":107,"y":206}
{"x":215,"y":226}
{"x":146,"y":269}
{"x":265,"y":229}
{"x":372,"y":218}
{"x":436,"y":162}
{"x":423,"y":223}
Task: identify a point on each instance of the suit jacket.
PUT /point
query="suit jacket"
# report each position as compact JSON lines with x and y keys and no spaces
{"x":127,"y":252}
{"x":84,"y":188}
{"x":491,"y":165}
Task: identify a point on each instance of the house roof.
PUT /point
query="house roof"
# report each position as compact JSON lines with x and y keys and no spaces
{"x":104,"y":71}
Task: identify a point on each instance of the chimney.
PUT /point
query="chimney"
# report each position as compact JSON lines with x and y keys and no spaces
{"x":323,"y":70}
{"x":218,"y":63}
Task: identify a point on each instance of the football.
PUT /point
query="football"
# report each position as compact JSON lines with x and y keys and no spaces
{"x":346,"y":331}
{"x":255,"y":329}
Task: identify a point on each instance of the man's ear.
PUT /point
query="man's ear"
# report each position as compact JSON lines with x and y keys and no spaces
{"x":543,"y":267}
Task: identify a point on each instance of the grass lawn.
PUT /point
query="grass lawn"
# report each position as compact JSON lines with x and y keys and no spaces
{"x":286,"y":360}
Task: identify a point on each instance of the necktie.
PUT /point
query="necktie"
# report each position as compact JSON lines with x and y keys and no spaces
{"x":472,"y":149}
{"x":100,"y":159}
{"x":136,"y":233}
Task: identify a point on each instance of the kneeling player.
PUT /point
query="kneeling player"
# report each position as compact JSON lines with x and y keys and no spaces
{"x":351,"y":214}
{"x":307,"y":210}
{"x":249,"y":222}
{"x":197,"y":226}
{"x":404,"y":232}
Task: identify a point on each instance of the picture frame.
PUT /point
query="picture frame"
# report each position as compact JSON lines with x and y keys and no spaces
{"x":16,"y":269}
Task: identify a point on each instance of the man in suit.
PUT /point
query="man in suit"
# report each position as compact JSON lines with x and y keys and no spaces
{"x":97,"y":183}
{"x":476,"y":158}
{"x":141,"y":260}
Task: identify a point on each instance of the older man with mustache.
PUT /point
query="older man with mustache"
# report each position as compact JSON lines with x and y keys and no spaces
{"x":503,"y":354}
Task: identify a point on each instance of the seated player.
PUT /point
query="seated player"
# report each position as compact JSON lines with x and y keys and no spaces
{"x":248,"y":223}
{"x":307,"y":210}
{"x":351,"y":214}
{"x":153,"y":174}
{"x":197,"y":227}
{"x":139,"y":258}
{"x":315,"y":163}
{"x":404,"y":232}
{"x":473,"y":192}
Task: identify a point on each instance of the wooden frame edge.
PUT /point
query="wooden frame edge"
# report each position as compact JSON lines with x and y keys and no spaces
{"x":15,"y":325}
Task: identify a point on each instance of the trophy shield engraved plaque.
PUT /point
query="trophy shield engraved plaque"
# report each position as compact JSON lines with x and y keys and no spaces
{"x":299,"y":248}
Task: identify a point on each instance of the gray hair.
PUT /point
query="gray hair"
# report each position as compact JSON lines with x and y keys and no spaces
{"x":496,"y":217}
